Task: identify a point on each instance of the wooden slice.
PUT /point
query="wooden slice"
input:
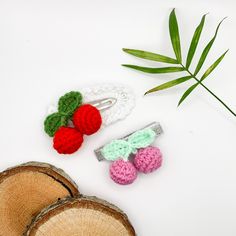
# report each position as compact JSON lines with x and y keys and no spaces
{"x":83,"y":216}
{"x":25,"y":190}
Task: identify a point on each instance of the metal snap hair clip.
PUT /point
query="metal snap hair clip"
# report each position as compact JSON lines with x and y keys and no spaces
{"x":84,"y":113}
{"x":132,"y":154}
{"x":103,"y":104}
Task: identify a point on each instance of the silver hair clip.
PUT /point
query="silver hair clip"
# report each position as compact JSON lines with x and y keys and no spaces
{"x":84,"y":113}
{"x":103,"y":104}
{"x":155,"y":126}
{"x":132,"y":153}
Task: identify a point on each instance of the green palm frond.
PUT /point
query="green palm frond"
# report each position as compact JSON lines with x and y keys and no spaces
{"x":178,"y":61}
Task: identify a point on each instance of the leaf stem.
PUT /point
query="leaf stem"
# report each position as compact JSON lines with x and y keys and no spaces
{"x":205,"y":87}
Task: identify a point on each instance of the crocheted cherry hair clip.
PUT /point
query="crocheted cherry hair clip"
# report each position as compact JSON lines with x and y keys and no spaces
{"x":132,"y":154}
{"x":83,"y":113}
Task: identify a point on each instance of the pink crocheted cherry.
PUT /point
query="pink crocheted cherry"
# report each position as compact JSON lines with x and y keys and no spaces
{"x":148,"y":159}
{"x":123,"y":172}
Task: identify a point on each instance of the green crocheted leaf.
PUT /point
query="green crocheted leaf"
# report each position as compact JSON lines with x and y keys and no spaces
{"x":142,"y":138}
{"x":69,"y":102}
{"x":53,"y":122}
{"x":116,"y":149}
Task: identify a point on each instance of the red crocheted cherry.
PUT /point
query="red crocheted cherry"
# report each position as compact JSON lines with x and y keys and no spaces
{"x":67,"y":140}
{"x":87,"y":119}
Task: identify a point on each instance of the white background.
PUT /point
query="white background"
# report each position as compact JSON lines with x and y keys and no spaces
{"x":50,"y":47}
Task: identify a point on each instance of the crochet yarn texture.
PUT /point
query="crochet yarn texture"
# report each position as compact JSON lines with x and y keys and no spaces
{"x":123,"y":148}
{"x":53,"y":122}
{"x":87,"y":119}
{"x":69,"y":102}
{"x":142,"y":138}
{"x":66,"y":107}
{"x":117,"y":149}
{"x":148,"y":159}
{"x":123,"y":172}
{"x":67,"y":140}
{"x":123,"y":106}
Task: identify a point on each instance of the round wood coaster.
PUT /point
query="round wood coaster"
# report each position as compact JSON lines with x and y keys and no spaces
{"x":81,"y":216}
{"x":25,"y":190}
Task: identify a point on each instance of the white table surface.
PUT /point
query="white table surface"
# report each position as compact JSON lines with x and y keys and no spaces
{"x":49,"y":47}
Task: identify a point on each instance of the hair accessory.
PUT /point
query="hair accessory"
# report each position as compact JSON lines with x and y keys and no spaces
{"x":83,"y":113}
{"x":132,"y":153}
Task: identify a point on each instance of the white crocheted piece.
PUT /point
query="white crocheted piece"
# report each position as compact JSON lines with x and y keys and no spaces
{"x":122,"y":108}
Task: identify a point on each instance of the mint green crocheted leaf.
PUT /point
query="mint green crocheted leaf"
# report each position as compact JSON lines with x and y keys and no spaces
{"x":142,"y":138}
{"x":53,"y":122}
{"x":116,"y":149}
{"x":69,"y":102}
